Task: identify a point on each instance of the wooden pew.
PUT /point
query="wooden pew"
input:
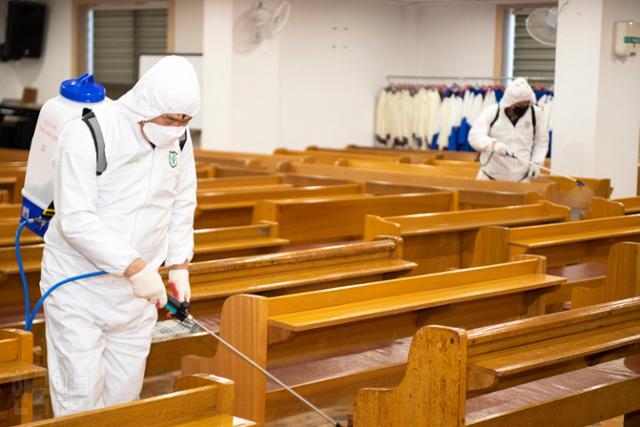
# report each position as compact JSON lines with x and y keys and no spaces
{"x":440,"y":241}
{"x":254,"y":239}
{"x":602,"y":207}
{"x":8,"y":228}
{"x":14,"y":170}
{"x":473,"y":194}
{"x":599,"y":187}
{"x":197,"y":400}
{"x":329,"y":157}
{"x":13,"y":155}
{"x":567,"y":189}
{"x":568,"y":193}
{"x":559,"y":358}
{"x":324,"y":343}
{"x":17,"y":373}
{"x":275,"y":274}
{"x":578,"y":250}
{"x":286,"y":272}
{"x":13,"y":186}
{"x":254,"y":161}
{"x":4,"y":196}
{"x":414,"y":169}
{"x":212,"y":184}
{"x":230,"y":208}
{"x":419,"y":155}
{"x":10,"y":211}
{"x":204,"y":170}
{"x":313,"y":221}
{"x":415,"y":156}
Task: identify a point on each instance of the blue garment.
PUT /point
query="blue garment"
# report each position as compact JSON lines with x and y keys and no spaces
{"x":434,"y":141}
{"x":463,"y":136}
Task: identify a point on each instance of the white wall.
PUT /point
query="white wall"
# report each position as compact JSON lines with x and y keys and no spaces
{"x":457,"y":40}
{"x":44,"y":73}
{"x":188,"y":26}
{"x":335,"y":56}
{"x":315,"y":84}
{"x":256,"y":93}
{"x":618,"y":105}
{"x":603,"y":89}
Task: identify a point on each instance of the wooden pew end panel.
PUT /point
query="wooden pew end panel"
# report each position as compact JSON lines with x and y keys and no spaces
{"x":435,"y":350}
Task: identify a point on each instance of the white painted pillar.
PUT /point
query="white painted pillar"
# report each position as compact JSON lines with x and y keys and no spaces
{"x":596,"y":113}
{"x":217,"y":58}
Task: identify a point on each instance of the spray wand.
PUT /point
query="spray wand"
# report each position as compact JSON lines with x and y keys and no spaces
{"x":180,"y":310}
{"x":530,"y":163}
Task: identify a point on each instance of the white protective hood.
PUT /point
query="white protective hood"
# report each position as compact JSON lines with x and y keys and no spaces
{"x":518,"y":91}
{"x":170,"y":86}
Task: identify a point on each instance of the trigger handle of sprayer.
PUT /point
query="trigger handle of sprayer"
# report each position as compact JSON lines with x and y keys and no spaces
{"x":180,"y":310}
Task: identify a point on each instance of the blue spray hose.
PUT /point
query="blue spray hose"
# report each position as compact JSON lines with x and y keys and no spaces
{"x":29,"y":316}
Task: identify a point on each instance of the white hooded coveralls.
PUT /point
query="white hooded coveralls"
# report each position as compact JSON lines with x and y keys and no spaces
{"x":519,"y":138}
{"x":142,"y":206}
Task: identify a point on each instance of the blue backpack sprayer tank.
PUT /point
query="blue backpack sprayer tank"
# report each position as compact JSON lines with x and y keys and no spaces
{"x":77,"y":96}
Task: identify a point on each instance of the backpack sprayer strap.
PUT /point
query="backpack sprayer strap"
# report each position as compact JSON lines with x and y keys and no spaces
{"x":89,"y":117}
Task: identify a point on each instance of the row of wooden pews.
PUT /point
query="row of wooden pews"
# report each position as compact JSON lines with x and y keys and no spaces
{"x":573,"y":368}
{"x":328,"y":267}
{"x":328,"y":343}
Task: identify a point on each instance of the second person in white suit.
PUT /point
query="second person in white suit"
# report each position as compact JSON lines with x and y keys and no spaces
{"x":511,"y":134}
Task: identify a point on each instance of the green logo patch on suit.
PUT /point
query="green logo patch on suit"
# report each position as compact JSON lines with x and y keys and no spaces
{"x":527,"y":125}
{"x":173,"y":159}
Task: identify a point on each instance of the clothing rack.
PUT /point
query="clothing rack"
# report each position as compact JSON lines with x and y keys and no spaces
{"x":400,"y":78}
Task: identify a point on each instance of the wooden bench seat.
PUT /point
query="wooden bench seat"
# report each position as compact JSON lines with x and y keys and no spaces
{"x":329,"y":157}
{"x":239,"y":190}
{"x":412,"y":169}
{"x":238,"y":181}
{"x":235,"y":206}
{"x":254,"y":161}
{"x":286,"y":272}
{"x":468,"y":156}
{"x":438,"y":241}
{"x":566,"y":244}
{"x":473,"y":194}
{"x":547,"y":355}
{"x":312,"y":221}
{"x":572,"y":399}
{"x":283,"y":331}
{"x":197,"y":400}
{"x":17,"y":373}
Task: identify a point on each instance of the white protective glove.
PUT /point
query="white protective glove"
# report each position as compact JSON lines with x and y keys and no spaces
{"x":179,"y":280}
{"x":501,"y":149}
{"x":534,"y":171}
{"x":148,"y":284}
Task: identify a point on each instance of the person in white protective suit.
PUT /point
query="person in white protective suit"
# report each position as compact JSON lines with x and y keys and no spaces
{"x":127,"y":221}
{"x":514,"y":127}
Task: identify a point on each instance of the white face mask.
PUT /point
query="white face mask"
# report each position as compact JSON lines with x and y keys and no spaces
{"x":162,"y":136}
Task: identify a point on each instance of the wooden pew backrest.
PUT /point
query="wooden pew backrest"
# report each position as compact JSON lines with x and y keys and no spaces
{"x":473,"y":194}
{"x":17,"y":372}
{"x":202,"y":398}
{"x":444,"y":240}
{"x":323,"y":221}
